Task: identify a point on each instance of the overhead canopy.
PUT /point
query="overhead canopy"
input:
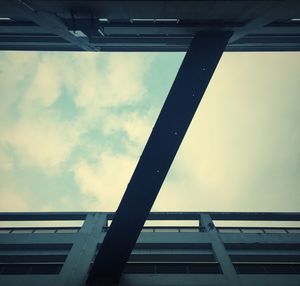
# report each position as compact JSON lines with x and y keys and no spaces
{"x":147,"y":25}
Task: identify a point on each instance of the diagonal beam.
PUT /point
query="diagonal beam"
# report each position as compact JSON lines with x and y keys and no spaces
{"x":179,"y":108}
{"x":51,"y":23}
{"x":282,"y":9}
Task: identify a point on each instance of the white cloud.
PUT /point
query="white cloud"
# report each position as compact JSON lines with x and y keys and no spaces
{"x":13,"y":81}
{"x":45,"y":85}
{"x":105,"y":180}
{"x":137,"y":128}
{"x":43,"y":142}
{"x":12,"y":200}
{"x":33,"y":132}
{"x":31,"y":123}
{"x":38,"y":135}
{"x":120,"y":82}
{"x":6,"y":162}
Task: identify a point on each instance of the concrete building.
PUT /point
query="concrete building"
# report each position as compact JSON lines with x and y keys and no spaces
{"x":129,"y":253}
{"x":192,"y":251}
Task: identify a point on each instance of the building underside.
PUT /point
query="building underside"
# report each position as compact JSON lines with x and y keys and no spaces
{"x":103,"y":256}
{"x":146,"y":25}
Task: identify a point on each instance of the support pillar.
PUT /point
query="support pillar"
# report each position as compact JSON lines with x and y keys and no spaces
{"x":78,"y":262}
{"x":220,"y":251}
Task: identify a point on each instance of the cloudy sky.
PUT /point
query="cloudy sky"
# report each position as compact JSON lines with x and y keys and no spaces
{"x":73,"y":125}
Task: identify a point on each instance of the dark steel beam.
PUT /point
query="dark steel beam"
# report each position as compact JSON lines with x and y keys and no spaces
{"x":174,"y":119}
{"x":259,"y":216}
{"x":267,"y":216}
{"x":39,"y":216}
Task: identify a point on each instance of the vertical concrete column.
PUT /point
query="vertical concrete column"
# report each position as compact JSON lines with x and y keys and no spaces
{"x":220,"y":251}
{"x":77,"y":264}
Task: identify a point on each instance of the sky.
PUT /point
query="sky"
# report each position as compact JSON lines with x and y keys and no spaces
{"x":73,"y":125}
